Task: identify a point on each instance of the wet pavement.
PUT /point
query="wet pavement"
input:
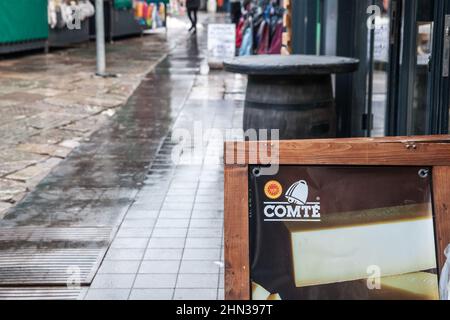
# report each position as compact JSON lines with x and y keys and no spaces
{"x":50,"y":103}
{"x":117,"y":215}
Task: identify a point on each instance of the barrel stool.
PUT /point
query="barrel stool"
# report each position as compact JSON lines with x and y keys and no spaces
{"x":291,"y":93}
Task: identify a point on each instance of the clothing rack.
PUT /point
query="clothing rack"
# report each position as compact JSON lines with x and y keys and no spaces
{"x":260,"y":29}
{"x":157,"y":21}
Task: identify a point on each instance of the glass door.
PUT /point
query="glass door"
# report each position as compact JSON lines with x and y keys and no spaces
{"x":423,"y":28}
{"x":407,"y":86}
{"x":379,"y":48}
{"x":426,"y":106}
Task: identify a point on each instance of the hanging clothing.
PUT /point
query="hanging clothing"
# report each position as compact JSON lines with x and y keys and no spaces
{"x":277,"y":40}
{"x":265,"y":18}
{"x":264,"y":39}
{"x":258,"y":27}
{"x":154,"y":17}
{"x":240,"y":33}
{"x":247,"y":42}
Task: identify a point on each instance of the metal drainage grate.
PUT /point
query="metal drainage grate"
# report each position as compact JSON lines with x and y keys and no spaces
{"x":49,"y":267}
{"x":43,"y":234}
{"x":42,"y":293}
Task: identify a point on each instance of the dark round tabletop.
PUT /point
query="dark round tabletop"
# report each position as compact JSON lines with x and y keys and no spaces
{"x":290,"y":65}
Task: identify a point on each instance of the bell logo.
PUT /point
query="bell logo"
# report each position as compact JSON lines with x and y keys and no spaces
{"x":296,"y":209}
{"x":298,"y":193}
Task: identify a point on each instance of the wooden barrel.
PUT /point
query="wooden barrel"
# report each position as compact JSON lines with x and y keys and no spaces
{"x":299,"y":107}
{"x":293,"y":94}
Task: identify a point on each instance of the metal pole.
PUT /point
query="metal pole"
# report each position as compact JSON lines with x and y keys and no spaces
{"x":100,"y":29}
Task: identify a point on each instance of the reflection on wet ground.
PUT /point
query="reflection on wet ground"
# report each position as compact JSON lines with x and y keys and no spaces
{"x":118,"y":215}
{"x":51,"y":102}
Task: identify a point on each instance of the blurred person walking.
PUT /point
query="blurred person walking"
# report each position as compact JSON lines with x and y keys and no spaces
{"x":192,"y":7}
{"x":235,"y":11}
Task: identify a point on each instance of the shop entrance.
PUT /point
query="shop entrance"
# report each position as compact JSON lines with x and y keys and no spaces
{"x":407,"y":86}
{"x":402,"y":85}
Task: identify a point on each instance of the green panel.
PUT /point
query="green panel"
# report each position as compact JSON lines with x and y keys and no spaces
{"x":158,"y":1}
{"x":123,"y":4}
{"x":22,"y":20}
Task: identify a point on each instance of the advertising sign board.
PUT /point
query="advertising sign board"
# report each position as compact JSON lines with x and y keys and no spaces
{"x":339,"y":219}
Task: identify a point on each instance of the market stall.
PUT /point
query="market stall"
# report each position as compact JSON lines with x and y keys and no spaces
{"x":69,"y":21}
{"x":131,"y":17}
{"x":20,"y":30}
{"x":151,"y":14}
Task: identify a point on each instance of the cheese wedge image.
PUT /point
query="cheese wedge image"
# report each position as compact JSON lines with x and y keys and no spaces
{"x":412,"y":286}
{"x":274,"y":297}
{"x":259,"y":293}
{"x":346,"y":246}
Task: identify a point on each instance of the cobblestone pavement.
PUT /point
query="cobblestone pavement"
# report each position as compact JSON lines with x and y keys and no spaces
{"x":50,"y":103}
{"x":117,"y":214}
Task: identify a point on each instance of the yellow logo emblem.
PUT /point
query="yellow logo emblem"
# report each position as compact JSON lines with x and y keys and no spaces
{"x":273,"y":190}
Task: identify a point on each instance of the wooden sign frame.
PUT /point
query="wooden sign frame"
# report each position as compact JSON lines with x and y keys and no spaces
{"x":429,"y":151}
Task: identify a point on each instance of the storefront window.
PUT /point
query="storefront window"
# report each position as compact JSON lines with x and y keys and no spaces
{"x":421,"y":83}
{"x":417,"y":120}
{"x":379,"y":95}
{"x":398,"y":82}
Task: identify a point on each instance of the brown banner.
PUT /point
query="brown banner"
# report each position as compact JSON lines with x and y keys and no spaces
{"x":343,"y":233}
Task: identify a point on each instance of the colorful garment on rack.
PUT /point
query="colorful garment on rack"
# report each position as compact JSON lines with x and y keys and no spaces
{"x":247,"y":43}
{"x":265,"y":19}
{"x":150,"y":14}
{"x":240,"y":33}
{"x":277,"y":40}
{"x":264,"y":40}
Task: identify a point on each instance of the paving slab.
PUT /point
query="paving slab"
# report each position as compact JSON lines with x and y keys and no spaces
{"x":10,"y":189}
